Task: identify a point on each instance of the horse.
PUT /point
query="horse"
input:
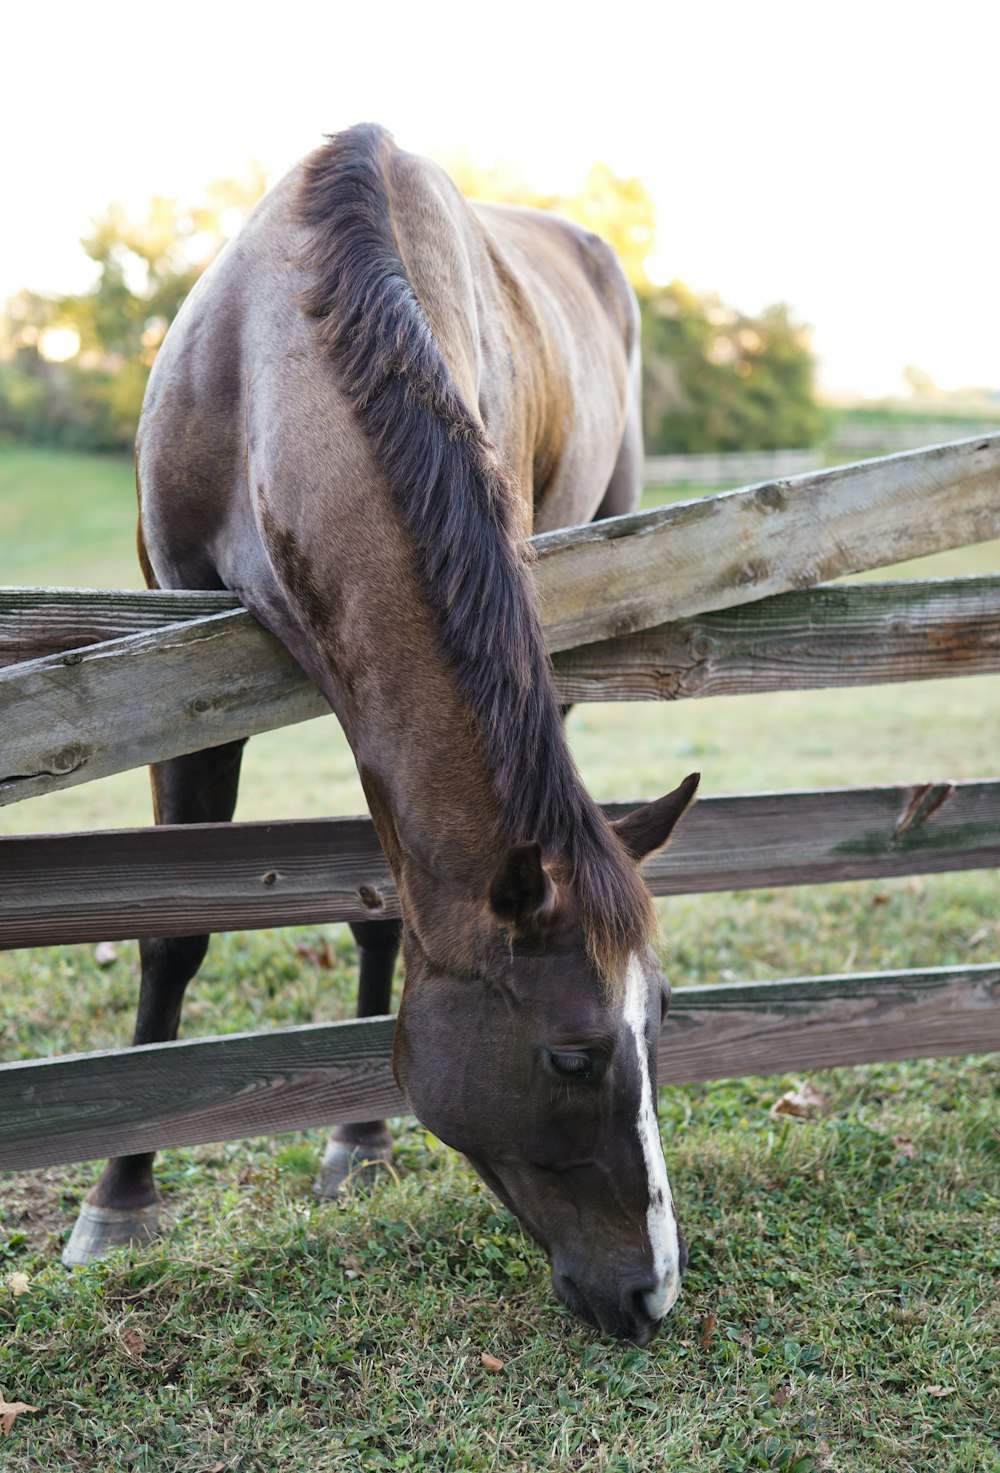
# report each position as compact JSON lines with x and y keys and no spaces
{"x":359,"y":414}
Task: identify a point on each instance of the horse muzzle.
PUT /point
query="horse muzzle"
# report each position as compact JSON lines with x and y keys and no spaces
{"x":633,"y":1309}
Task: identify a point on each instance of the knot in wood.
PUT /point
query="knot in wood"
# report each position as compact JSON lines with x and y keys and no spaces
{"x":271,"y":877}
{"x":370,"y":898}
{"x":68,"y":760}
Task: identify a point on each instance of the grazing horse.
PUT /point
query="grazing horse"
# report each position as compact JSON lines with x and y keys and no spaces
{"x":359,"y":414}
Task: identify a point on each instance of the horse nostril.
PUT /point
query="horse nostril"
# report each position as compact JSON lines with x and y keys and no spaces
{"x":636,"y":1304}
{"x":647,"y":1302}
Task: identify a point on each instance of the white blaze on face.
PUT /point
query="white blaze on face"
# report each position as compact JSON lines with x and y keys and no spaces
{"x":660,"y":1221}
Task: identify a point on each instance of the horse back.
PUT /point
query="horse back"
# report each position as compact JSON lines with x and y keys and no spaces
{"x":245,"y":420}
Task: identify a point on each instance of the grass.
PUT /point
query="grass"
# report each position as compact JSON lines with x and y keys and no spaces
{"x":840,"y":1310}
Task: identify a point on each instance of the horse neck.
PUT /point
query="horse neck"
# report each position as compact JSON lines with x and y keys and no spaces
{"x":428,"y":767}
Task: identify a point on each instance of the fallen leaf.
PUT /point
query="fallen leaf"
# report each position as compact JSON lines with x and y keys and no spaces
{"x":319,"y":957}
{"x":11,"y":1409}
{"x":803,"y":1103}
{"x":880,"y":898}
{"x":707,"y":1331}
{"x":133,"y":1341}
{"x":939,"y":1390}
{"x":781,"y":1395}
{"x":491,"y":1362}
{"x":904,"y":1146}
{"x":105,"y":952}
{"x":18,"y":1284}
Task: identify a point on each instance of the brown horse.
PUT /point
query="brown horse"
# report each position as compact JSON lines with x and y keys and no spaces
{"x":360,"y":411}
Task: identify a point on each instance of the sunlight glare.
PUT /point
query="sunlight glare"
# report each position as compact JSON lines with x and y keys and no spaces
{"x":59,"y":344}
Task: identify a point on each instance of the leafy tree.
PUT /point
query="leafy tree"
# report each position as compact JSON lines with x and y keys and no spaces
{"x":146,"y":267}
{"x":718,"y":379}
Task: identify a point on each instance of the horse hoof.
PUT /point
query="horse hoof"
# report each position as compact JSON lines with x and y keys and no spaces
{"x":98,"y":1229}
{"x":351,"y":1168}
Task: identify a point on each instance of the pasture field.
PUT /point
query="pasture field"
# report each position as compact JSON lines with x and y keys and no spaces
{"x":841,"y":1307}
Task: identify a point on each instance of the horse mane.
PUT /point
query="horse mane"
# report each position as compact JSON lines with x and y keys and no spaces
{"x":457,"y":503}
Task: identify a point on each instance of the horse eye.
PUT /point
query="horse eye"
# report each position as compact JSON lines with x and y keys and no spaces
{"x":581,"y":1065}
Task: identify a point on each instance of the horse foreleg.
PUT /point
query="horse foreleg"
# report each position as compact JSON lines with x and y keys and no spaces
{"x":123,"y":1208}
{"x":356,"y":1153}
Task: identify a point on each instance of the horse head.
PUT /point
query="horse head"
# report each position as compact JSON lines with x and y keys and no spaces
{"x":542,"y":1072}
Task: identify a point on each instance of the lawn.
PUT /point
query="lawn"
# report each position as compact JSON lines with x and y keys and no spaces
{"x":840,"y":1311}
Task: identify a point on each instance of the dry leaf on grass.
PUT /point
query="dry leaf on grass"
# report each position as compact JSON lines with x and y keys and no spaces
{"x":707,"y":1331}
{"x":904,"y":1146}
{"x":318,"y":956}
{"x":939,"y":1390}
{"x":133,"y":1341}
{"x":781,"y":1395}
{"x":18,"y":1284}
{"x":491,"y":1362}
{"x":11,"y":1409}
{"x":105,"y":952}
{"x":803,"y":1103}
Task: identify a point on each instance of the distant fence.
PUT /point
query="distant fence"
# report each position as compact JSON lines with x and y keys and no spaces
{"x":850,"y":438}
{"x":738,"y":468}
{"x":688,"y":601}
{"x":854,"y":437}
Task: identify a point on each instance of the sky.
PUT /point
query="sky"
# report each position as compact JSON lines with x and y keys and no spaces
{"x":841,"y":158}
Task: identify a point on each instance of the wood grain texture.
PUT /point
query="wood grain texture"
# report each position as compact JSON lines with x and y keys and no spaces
{"x":651,"y":568}
{"x":866,"y":633}
{"x":215,"y":877}
{"x":94,"y":1105}
{"x":35,"y":622}
{"x":861,"y":634}
{"x":74,"y":717}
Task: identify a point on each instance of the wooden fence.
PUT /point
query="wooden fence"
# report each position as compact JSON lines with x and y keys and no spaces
{"x":729,"y":468}
{"x":711,"y":597}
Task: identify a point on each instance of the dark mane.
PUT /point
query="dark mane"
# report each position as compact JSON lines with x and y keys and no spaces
{"x":457,"y":504}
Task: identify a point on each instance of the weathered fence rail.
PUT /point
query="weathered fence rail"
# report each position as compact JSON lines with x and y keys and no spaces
{"x":174,"y":881}
{"x":713,"y":597}
{"x":211,"y":1089}
{"x":80,"y":715}
{"x":850,"y":634}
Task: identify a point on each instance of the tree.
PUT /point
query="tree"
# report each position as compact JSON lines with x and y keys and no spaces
{"x":718,"y":379}
{"x":145,"y":269}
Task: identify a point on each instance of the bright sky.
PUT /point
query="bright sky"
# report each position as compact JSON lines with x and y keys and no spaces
{"x":842,"y":157}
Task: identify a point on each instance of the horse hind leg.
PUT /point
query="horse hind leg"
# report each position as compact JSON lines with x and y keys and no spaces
{"x":356,"y":1154}
{"x":123,"y":1207}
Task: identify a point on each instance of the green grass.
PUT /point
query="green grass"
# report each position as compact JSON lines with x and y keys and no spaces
{"x":843,"y":1270}
{"x":842,"y":1275}
{"x":67,"y":520}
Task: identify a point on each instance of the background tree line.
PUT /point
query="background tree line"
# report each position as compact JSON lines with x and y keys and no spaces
{"x":73,"y":369}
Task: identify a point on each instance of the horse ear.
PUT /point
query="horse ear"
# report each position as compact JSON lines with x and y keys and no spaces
{"x":522,"y":889}
{"x":648,"y":828}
